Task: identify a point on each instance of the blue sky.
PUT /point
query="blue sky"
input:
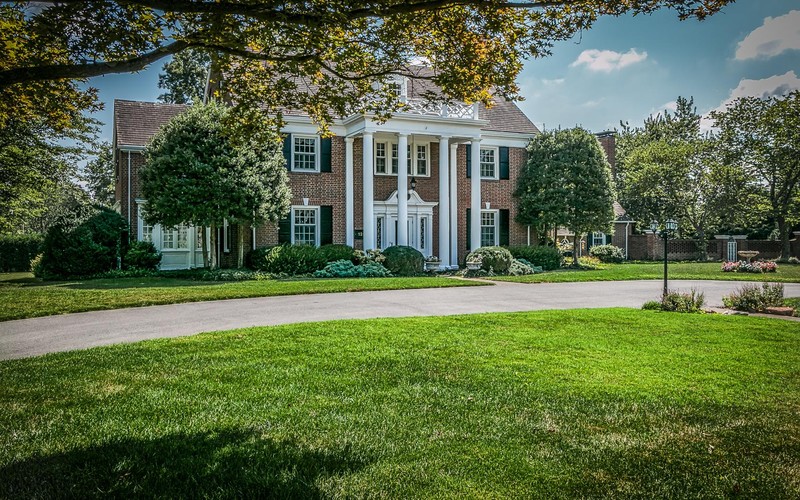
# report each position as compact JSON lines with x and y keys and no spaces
{"x":624,"y":68}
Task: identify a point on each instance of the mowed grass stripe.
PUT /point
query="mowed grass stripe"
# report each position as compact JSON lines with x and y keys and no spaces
{"x":547,"y":404}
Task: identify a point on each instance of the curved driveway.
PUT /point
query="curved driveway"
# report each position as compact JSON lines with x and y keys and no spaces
{"x":35,"y":336}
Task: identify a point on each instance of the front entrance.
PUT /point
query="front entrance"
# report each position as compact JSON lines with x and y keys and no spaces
{"x":420,"y":223}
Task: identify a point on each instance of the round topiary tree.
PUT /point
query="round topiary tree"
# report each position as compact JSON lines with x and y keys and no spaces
{"x":495,"y":259}
{"x":403,"y":261}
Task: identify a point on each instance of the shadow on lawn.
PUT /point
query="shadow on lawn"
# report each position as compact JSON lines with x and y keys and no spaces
{"x":230,"y":463}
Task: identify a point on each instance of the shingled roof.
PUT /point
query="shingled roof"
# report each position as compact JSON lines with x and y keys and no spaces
{"x":136,"y":122}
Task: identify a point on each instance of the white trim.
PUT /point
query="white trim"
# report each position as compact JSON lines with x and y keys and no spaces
{"x":317,"y":154}
{"x":130,"y":148}
{"x":226,"y":248}
{"x":317,"y":222}
{"x":496,"y":175}
{"x":417,"y":209}
{"x":349,"y":204}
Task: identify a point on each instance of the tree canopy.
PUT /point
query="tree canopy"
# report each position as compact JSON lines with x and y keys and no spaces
{"x":325,"y":57}
{"x":762,"y":136}
{"x":567,"y":182}
{"x":184,"y":77}
{"x":195,"y":174}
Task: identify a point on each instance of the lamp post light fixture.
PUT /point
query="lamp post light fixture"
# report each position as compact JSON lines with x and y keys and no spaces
{"x":413,"y":186}
{"x":670,"y":226}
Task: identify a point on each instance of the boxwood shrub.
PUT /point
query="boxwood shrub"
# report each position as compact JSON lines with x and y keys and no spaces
{"x":294,"y":259}
{"x":607,"y":253}
{"x":17,"y":251}
{"x":496,"y":259}
{"x":346,"y":269}
{"x":403,"y":260}
{"x":546,"y":257}
{"x":334,"y":252}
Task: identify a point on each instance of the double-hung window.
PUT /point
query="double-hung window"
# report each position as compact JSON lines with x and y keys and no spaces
{"x":489,"y":168}
{"x":387,"y":159}
{"x":421,"y":160}
{"x":305,"y":226}
{"x":175,"y":238}
{"x":305,"y":153}
{"x":380,"y":157}
{"x":488,"y":228}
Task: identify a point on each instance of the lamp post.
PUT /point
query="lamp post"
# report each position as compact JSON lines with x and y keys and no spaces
{"x":669,"y":227}
{"x":413,"y":186}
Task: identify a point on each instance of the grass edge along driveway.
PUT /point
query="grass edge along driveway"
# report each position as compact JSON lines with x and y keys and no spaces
{"x":787,"y":273}
{"x":21,"y":298}
{"x":581,"y":403}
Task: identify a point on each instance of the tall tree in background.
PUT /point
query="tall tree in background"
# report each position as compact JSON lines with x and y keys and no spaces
{"x":762,"y":136}
{"x":196,"y":174}
{"x":98,"y":174}
{"x":567,"y":182}
{"x":328,"y":59}
{"x":184,"y":77}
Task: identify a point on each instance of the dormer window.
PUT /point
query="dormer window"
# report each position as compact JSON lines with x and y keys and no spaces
{"x":399,"y":86}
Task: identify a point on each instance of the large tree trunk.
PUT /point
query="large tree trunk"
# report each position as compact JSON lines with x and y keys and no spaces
{"x":240,"y":242}
{"x":213,"y":245}
{"x":204,"y":239}
{"x":702,"y":245}
{"x":783,"y":232}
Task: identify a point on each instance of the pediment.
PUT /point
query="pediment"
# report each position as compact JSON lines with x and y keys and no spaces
{"x":414,"y":200}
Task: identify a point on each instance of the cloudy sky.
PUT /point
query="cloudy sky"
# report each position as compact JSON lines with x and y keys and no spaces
{"x":626,"y":68}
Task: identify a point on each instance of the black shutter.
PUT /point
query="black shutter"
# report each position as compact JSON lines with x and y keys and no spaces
{"x":325,"y":155}
{"x":325,"y":225}
{"x":504,"y":228}
{"x":468,"y":227}
{"x":285,"y":229}
{"x":469,"y":162}
{"x":503,"y":162}
{"x":287,"y":150}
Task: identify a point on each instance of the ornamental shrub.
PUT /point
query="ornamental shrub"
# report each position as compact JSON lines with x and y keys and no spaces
{"x":142,"y":255}
{"x":683,"y":302}
{"x":256,"y":258}
{"x":17,"y":251}
{"x":607,"y":253}
{"x":334,"y":252}
{"x":755,"y":298}
{"x":91,"y":248}
{"x":548,"y":258}
{"x":403,"y":260}
{"x":346,"y":269}
{"x":520,"y":268}
{"x":496,"y":259}
{"x":293,"y":259}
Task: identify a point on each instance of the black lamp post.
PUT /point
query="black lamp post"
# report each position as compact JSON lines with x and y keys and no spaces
{"x":413,"y":186}
{"x":669,"y":227}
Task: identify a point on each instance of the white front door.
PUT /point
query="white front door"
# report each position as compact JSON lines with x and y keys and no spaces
{"x":420,"y":223}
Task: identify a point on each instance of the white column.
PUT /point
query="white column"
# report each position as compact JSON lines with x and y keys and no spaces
{"x":369,"y":219}
{"x":475,"y":196}
{"x":402,"y":189}
{"x":453,"y":204}
{"x":444,"y":201}
{"x":348,"y":192}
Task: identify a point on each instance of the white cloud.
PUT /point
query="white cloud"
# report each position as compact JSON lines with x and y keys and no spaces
{"x":776,"y":85}
{"x":775,"y":36}
{"x":593,"y":103}
{"x":553,"y":82}
{"x":608,"y":60}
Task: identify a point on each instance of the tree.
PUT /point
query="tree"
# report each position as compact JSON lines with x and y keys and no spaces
{"x":184,"y":77}
{"x":327,"y":58}
{"x":98,"y":174}
{"x":196,"y":174}
{"x":762,"y":136}
{"x":567,"y":182}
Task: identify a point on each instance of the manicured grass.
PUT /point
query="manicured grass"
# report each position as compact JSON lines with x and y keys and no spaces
{"x":787,"y":273}
{"x":23,"y":297}
{"x":569,"y":404}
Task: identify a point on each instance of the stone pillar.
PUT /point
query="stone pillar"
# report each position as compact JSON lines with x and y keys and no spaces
{"x":444,"y":201}
{"x":454,"y":204}
{"x":402,"y":189}
{"x":475,"y":196}
{"x":369,"y":218}
{"x":349,"y":206}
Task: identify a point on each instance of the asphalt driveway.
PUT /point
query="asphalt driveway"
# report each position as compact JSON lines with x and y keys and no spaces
{"x":36,"y":336}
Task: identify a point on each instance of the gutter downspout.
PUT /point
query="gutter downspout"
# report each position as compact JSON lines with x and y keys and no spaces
{"x":627,"y":229}
{"x":129,"y":197}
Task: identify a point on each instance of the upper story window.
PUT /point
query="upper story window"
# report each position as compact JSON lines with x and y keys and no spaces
{"x":305,"y":153}
{"x":489,"y":168}
{"x":416,"y":159}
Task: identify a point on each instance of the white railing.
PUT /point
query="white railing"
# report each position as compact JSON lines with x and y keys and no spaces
{"x":428,"y":108}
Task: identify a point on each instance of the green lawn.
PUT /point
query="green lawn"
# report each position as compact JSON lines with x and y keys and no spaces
{"x":787,"y":273}
{"x":21,"y":296}
{"x":568,"y":404}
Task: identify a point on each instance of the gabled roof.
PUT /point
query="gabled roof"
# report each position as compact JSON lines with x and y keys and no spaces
{"x":136,"y":122}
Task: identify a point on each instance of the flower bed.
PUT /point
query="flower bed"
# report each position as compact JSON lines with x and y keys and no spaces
{"x":760,"y":266}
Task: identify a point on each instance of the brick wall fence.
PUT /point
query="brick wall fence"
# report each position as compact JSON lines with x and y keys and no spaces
{"x":651,"y":247}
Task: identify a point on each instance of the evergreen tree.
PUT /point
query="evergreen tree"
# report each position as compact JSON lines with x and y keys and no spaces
{"x":567,"y":182}
{"x":196,"y":174}
{"x":98,"y":174}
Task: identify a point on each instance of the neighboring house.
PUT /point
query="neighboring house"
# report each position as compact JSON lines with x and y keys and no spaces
{"x":462,"y":162}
